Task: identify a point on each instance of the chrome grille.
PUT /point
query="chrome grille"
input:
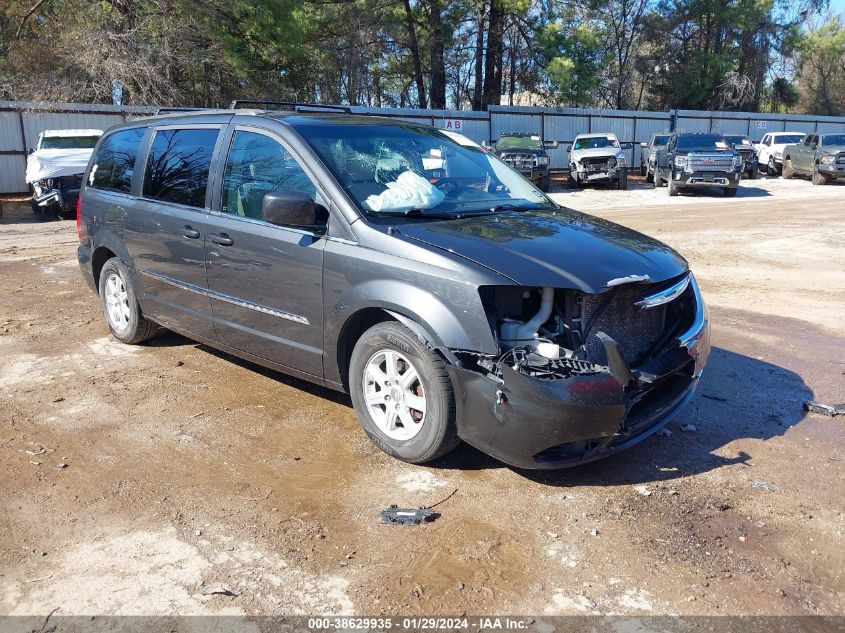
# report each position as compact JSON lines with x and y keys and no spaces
{"x":712,"y":163}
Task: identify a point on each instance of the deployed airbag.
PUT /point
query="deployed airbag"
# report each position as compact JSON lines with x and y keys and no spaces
{"x":408,"y":191}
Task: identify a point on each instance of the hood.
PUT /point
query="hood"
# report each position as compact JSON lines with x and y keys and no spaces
{"x":833,"y":149}
{"x":52,"y":163}
{"x":596,"y":152}
{"x":522,"y":151}
{"x":561,"y":249}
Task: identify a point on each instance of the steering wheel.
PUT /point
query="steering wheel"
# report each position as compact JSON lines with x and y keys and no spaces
{"x":448,"y":185}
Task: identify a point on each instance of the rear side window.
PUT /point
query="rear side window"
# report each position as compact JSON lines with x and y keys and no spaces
{"x":178,"y":164}
{"x":114,"y":163}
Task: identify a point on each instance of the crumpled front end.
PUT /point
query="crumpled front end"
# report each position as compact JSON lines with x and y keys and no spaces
{"x":602,"y":372}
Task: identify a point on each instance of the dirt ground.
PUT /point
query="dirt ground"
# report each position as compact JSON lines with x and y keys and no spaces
{"x":158,"y":479}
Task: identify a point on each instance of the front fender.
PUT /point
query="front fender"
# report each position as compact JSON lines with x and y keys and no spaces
{"x":451,"y":317}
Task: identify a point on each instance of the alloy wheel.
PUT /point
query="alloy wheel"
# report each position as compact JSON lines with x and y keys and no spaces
{"x":117,"y":302}
{"x":394,"y":394}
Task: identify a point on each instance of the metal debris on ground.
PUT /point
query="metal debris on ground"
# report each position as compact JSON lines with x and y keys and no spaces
{"x":764,"y":485}
{"x":406,"y":516}
{"x":220,"y":591}
{"x":825,"y":409}
{"x":665,"y":432}
{"x":689,"y":428}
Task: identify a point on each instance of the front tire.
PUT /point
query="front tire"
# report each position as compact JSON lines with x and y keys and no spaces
{"x":818,"y":178}
{"x":402,"y":394}
{"x":572,"y":179}
{"x":622,"y":183}
{"x":773,"y":168}
{"x":673,"y":189}
{"x":546,"y":184}
{"x":120,"y":305}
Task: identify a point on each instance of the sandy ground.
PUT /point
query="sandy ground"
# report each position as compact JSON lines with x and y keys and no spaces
{"x":158,"y":479}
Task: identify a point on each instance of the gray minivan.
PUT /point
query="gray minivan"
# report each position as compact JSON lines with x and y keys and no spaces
{"x":400,"y":263}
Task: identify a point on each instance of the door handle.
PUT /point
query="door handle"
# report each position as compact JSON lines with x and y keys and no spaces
{"x":221,"y":238}
{"x":189,"y":232}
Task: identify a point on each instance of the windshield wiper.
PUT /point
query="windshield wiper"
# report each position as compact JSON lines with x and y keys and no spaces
{"x":516,"y":207}
{"x":423,"y":213}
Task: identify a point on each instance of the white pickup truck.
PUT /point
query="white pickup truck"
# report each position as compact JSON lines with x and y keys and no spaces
{"x":54,"y":169}
{"x":770,"y":150}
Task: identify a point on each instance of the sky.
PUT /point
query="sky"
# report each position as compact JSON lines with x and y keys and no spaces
{"x":838,"y":6}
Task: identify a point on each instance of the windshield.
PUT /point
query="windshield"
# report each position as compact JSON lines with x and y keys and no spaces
{"x":660,"y":140}
{"x":595,"y":142}
{"x":69,"y":142}
{"x":780,"y":139}
{"x":701,"y":143}
{"x":519,"y":142}
{"x":833,"y":139}
{"x":738,"y":140}
{"x":416,"y":170}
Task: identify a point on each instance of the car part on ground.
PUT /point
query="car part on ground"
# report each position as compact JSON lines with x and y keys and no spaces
{"x":698,"y":161}
{"x":820,"y":156}
{"x":526,"y":153}
{"x":598,"y":159}
{"x":487,"y":313}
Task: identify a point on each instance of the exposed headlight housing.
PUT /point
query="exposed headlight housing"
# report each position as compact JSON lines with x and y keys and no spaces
{"x":827,"y":160}
{"x":620,"y":159}
{"x":541,"y":160}
{"x":680,"y":161}
{"x":737,"y":162}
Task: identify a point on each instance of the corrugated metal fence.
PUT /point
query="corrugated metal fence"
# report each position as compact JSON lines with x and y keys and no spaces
{"x":21,"y":122}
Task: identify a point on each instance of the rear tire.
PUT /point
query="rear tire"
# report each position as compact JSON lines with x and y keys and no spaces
{"x":788,"y":169}
{"x":120,"y":305}
{"x":382,"y":358}
{"x":752,"y":173}
{"x":644,"y":170}
{"x":649,"y":177}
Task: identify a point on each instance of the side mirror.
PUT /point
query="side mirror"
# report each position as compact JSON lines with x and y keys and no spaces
{"x":643,"y":145}
{"x":290,"y":208}
{"x":551,"y":144}
{"x":568,"y":148}
{"x":627,"y":146}
{"x":31,"y":150}
{"x":485,"y":143}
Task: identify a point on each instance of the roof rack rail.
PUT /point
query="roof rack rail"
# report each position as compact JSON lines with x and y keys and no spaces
{"x":287,"y":105}
{"x":174,"y":110}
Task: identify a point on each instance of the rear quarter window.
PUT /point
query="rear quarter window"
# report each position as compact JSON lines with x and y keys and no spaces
{"x":114,"y":162}
{"x":178,"y":165}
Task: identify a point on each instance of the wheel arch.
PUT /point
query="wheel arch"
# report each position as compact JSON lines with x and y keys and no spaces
{"x":105,"y":246}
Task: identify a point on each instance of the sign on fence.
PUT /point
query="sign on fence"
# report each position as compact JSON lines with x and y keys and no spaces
{"x":451,"y":124}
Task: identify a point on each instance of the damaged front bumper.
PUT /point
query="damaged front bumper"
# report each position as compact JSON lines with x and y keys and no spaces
{"x":536,"y":423}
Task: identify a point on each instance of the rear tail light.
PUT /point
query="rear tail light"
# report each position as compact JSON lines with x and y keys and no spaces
{"x":79,"y":217}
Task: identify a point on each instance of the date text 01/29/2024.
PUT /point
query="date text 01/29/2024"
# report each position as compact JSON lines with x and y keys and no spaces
{"x":421,"y":623}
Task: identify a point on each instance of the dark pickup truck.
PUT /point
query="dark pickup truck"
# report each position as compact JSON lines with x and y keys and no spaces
{"x":698,"y":160}
{"x":526,"y":153}
{"x":745,"y":148}
{"x":820,"y":156}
